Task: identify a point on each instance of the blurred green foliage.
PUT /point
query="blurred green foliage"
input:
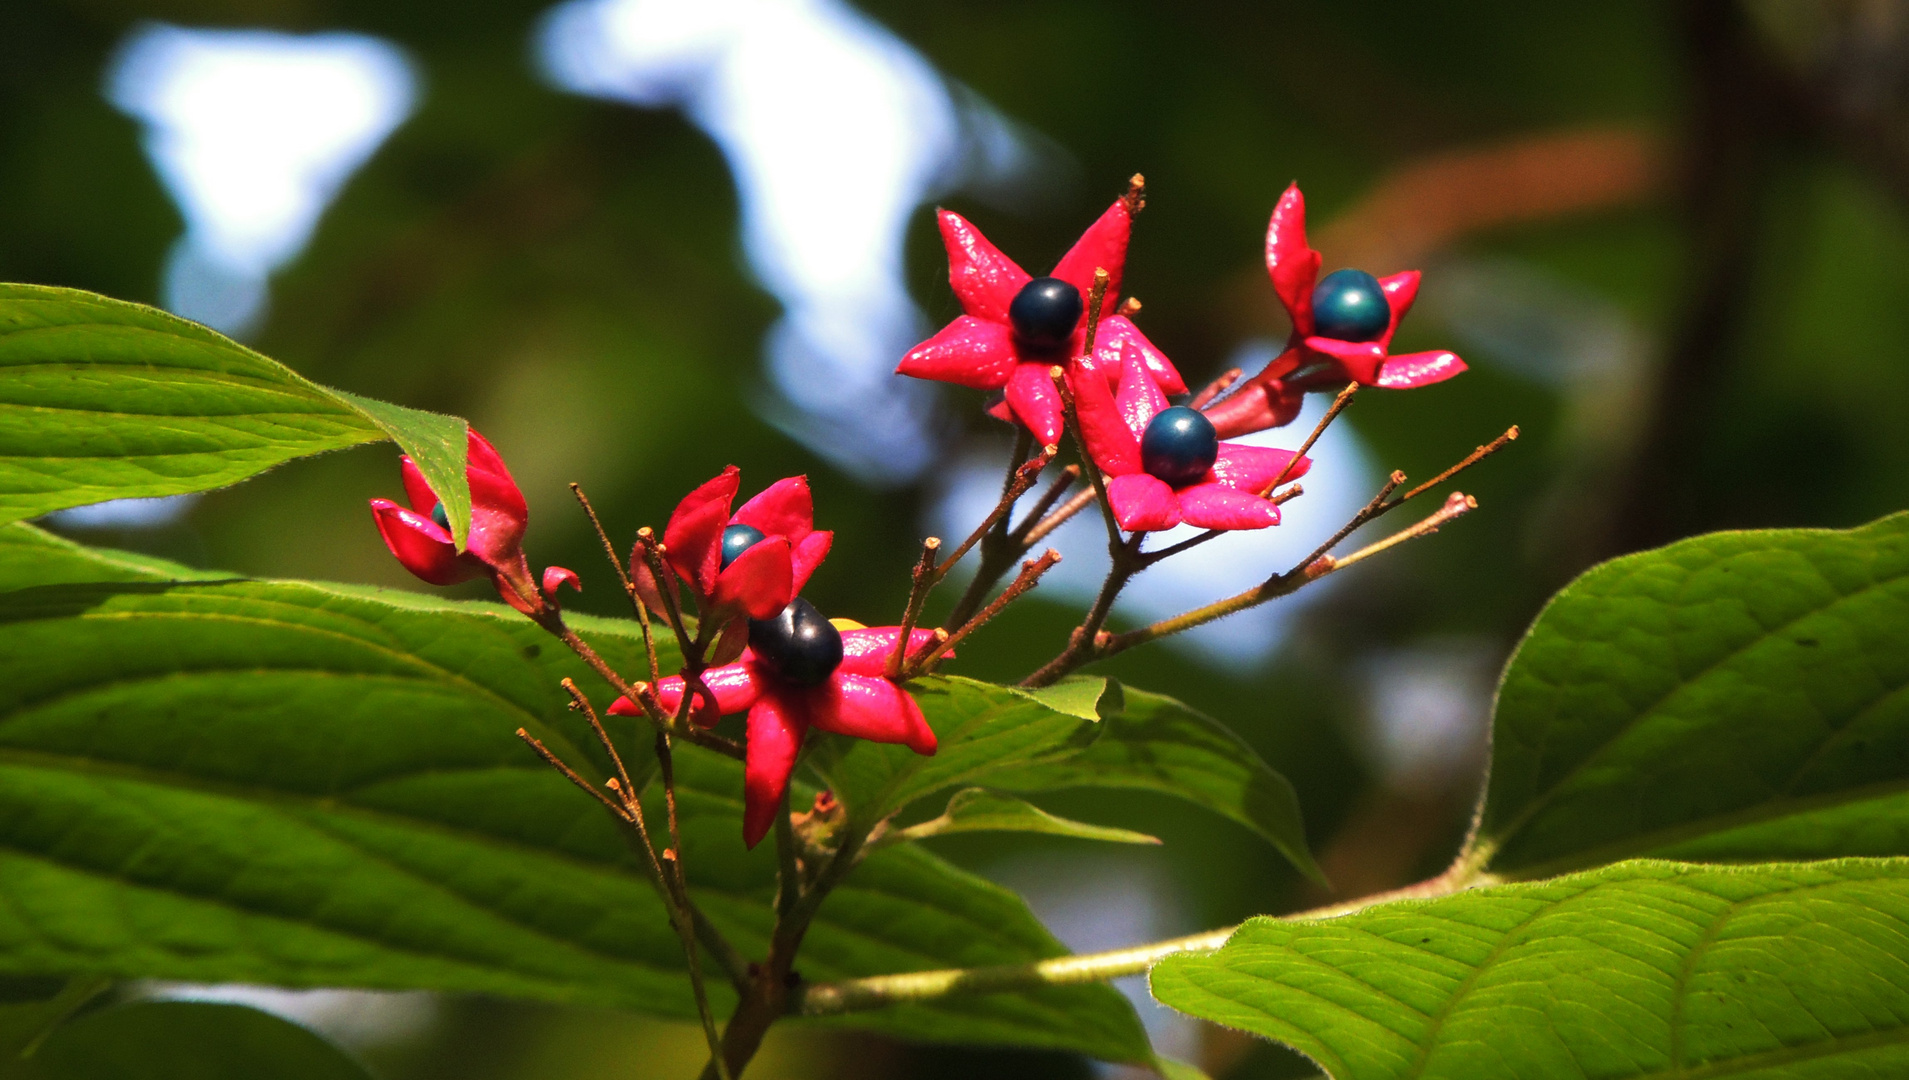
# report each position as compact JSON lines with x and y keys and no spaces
{"x":566,"y":273}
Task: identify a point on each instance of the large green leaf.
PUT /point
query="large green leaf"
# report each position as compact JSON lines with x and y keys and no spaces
{"x":981,"y":728}
{"x":1641,"y":969}
{"x":1733,"y":696}
{"x":102,"y":399}
{"x":189,"y":1040}
{"x":305,"y":784}
{"x":1083,"y":732}
{"x":1153,"y":743}
{"x":979,"y":810}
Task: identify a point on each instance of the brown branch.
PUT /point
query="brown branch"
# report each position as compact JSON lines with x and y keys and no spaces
{"x":1029,"y":576}
{"x":1215,"y":388}
{"x":924,"y":579}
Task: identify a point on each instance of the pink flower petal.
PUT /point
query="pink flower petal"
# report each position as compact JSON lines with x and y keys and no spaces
{"x":1401,"y":290}
{"x":776,"y":727}
{"x":1252,"y":468}
{"x":1139,"y":399}
{"x":556,"y":577}
{"x":1118,"y":331}
{"x":759,"y":583}
{"x":1264,"y":401}
{"x":1103,"y":245}
{"x":984,"y":280}
{"x":1408,"y":370}
{"x":866,"y":652}
{"x":1211,"y":506}
{"x":1035,"y":402}
{"x":421,"y":546}
{"x":1294,"y":267}
{"x":968,"y":352}
{"x":865,"y":707}
{"x":736,"y":687}
{"x":498,"y":511}
{"x":808,"y":555}
{"x":1143,"y":503}
{"x":417,"y":491}
{"x":1359,"y":359}
{"x":1110,"y":442}
{"x":693,"y":536}
{"x":784,"y":508}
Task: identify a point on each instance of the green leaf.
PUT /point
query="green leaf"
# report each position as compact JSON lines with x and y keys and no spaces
{"x":102,"y":399}
{"x":1154,"y":743}
{"x":30,"y":1008}
{"x":319,"y":785}
{"x":1642,"y":969}
{"x":982,"y":729}
{"x":189,"y":1040}
{"x":979,"y":810}
{"x":1006,"y":737}
{"x":1737,"y":696}
{"x":1090,"y":697}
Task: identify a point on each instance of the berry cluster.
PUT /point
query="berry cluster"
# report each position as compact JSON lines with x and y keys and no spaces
{"x":1064,"y":356}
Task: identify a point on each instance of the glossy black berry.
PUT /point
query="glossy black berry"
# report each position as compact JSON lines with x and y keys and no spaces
{"x":799,"y":645}
{"x":1349,"y":305}
{"x":1179,"y":446}
{"x":1045,"y":312}
{"x":738,"y":539}
{"x":443,"y":519}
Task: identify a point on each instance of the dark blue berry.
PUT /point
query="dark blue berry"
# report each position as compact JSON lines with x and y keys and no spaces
{"x":1045,"y":312}
{"x":1179,"y":446}
{"x":799,"y":645}
{"x":1349,"y":305}
{"x":443,"y":519}
{"x":738,"y":539}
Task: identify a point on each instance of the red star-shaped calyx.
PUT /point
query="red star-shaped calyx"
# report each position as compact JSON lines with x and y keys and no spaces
{"x":421,"y":538}
{"x":762,"y":579}
{"x":1271,"y":398}
{"x":857,"y":699}
{"x":1231,"y":494}
{"x":981,"y":349}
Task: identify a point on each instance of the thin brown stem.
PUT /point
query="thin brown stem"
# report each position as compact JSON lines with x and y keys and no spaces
{"x":928,"y":648}
{"x":1151,"y":557}
{"x":1084,"y":642}
{"x":1047,"y":499}
{"x":788,"y":873}
{"x":640,"y":693}
{"x":1215,"y":388}
{"x":666,"y":585}
{"x":1096,"y":296}
{"x":1020,"y":478}
{"x":1338,"y":406}
{"x":1456,"y":504}
{"x":1307,"y":571}
{"x":922,"y":581}
{"x":570,"y":774}
{"x":1059,"y":517}
{"x":1087,"y":462}
{"x":1029,"y":576}
{"x":609,"y":549}
{"x":1473,"y":458}
{"x":581,"y":703}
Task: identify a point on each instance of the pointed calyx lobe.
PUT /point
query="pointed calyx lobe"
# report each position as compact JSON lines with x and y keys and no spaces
{"x":856,"y":699}
{"x":983,"y":349}
{"x":422,"y":542}
{"x":757,"y":581}
{"x":1316,"y":360}
{"x":1230,"y":493}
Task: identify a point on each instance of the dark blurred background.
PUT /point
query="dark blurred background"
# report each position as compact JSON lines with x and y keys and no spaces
{"x":636,"y":240}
